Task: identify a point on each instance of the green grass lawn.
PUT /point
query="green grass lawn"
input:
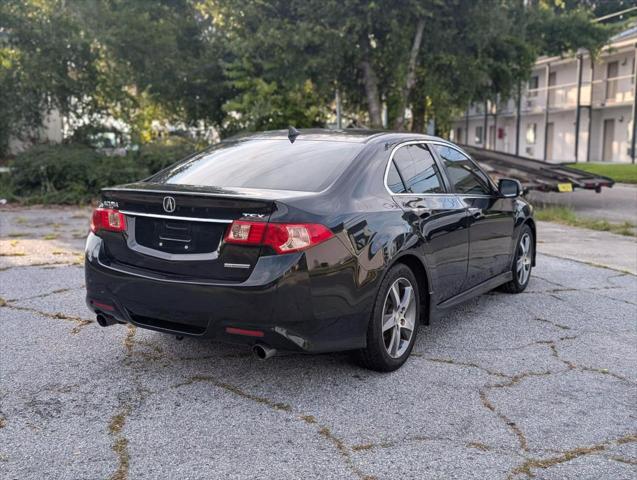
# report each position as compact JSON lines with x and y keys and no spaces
{"x":620,"y":172}
{"x":567,"y":216}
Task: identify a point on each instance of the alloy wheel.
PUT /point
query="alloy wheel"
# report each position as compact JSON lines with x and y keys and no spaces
{"x":399,"y":317}
{"x":524,"y":261}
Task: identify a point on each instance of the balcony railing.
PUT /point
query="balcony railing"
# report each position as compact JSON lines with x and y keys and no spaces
{"x":613,"y":91}
{"x":598,"y":93}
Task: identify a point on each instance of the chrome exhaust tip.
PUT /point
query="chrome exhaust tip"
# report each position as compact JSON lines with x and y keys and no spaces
{"x":104,"y":321}
{"x":263,"y":352}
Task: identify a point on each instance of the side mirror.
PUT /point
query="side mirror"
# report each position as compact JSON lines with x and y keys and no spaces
{"x":509,"y":188}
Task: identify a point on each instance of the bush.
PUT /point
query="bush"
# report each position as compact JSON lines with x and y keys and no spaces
{"x":75,"y":174}
{"x":157,"y":156}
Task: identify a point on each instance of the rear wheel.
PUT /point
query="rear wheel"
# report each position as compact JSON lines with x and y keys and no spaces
{"x":394,"y":322}
{"x":522,"y":262}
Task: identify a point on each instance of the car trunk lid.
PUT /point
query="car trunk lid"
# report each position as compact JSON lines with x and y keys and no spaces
{"x":178,"y":233}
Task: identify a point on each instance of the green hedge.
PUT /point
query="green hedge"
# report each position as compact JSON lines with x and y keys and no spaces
{"x":75,"y":174}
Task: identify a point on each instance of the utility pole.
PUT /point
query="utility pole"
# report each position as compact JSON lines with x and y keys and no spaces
{"x":486,"y":124}
{"x":495,"y":125}
{"x":546,"y":111}
{"x":633,"y":140}
{"x":590,"y":113}
{"x":580,"y":67}
{"x":466,"y":123}
{"x":518,"y":114}
{"x":339,"y":123}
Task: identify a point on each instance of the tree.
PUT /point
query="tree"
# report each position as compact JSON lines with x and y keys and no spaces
{"x":248,"y":64}
{"x":46,"y":63}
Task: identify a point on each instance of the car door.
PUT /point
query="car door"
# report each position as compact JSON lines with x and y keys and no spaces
{"x":414,"y":179}
{"x":491,"y":217}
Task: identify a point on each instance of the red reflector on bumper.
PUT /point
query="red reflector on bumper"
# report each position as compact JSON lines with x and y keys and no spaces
{"x":103,"y":306}
{"x":243,"y":331}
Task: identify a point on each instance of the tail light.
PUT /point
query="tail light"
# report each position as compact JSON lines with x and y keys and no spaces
{"x":282,"y":237}
{"x":108,"y":219}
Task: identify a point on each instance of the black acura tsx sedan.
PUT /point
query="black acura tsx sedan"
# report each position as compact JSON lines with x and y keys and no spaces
{"x":309,"y":241}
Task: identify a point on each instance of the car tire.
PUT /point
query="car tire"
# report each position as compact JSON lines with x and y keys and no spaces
{"x":394,"y":321}
{"x":522,"y":262}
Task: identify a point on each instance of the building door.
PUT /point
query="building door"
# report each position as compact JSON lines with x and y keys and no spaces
{"x":612,"y":72}
{"x":609,"y":137}
{"x":549,"y":141}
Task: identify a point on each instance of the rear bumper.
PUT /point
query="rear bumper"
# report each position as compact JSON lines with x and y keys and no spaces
{"x":296,"y":308}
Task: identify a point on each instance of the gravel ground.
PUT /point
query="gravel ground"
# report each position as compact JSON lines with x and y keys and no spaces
{"x":506,"y":387}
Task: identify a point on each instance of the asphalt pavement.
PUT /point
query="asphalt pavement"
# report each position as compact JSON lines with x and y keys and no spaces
{"x":504,"y":387}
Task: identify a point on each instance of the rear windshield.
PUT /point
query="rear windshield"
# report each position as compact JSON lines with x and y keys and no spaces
{"x":305,"y":165}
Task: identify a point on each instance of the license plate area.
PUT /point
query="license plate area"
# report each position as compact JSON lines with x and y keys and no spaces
{"x":178,"y":237}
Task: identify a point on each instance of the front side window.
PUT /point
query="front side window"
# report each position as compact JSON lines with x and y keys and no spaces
{"x":463,"y":174}
{"x":413,"y":170}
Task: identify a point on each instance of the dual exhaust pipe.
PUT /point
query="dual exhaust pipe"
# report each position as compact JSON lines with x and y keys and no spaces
{"x":263,"y":352}
{"x":105,"y":320}
{"x":260,"y":351}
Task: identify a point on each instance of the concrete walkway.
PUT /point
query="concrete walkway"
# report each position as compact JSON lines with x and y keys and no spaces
{"x":604,"y":249}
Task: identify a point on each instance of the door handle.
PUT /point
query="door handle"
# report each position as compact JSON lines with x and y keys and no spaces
{"x":420,"y":211}
{"x":476,"y":212}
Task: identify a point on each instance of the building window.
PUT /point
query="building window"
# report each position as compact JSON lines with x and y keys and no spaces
{"x":479,"y":133}
{"x":531,"y":133}
{"x":534,"y":84}
{"x":458,"y":138}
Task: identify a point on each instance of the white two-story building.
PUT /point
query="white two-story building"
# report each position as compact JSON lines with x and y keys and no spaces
{"x":572,"y":109}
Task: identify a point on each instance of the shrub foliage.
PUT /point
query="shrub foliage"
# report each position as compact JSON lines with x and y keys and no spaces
{"x":73,"y":174}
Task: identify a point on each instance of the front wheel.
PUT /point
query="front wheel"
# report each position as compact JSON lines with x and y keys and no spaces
{"x":394,"y":322}
{"x":522,"y":262}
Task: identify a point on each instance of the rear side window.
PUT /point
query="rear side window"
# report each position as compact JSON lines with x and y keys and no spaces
{"x":305,"y":165}
{"x":415,"y":171}
{"x":394,"y":182}
{"x":463,"y":174}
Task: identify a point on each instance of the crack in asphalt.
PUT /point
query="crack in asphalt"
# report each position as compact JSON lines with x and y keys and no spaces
{"x":573,"y":366}
{"x":550,"y":322}
{"x":511,"y":425}
{"x":42,"y":264}
{"x":621,"y":459}
{"x":80,"y":322}
{"x":117,"y":422}
{"x":43,"y":295}
{"x":476,"y":445}
{"x":527,"y":467}
{"x":323,"y":430}
{"x":235,"y":390}
{"x":512,"y":380}
{"x":120,"y":445}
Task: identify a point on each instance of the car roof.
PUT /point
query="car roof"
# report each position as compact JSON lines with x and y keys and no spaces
{"x":354,"y":135}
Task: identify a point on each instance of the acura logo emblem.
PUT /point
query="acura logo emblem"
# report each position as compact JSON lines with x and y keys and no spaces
{"x":169,"y":204}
